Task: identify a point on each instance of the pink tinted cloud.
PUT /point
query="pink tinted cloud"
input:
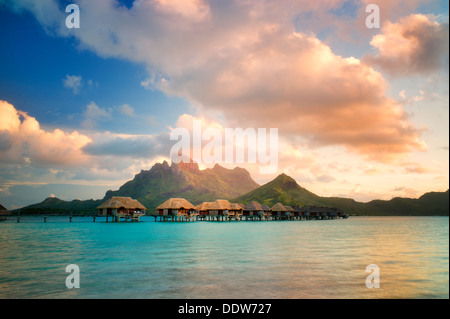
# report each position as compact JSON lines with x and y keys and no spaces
{"x":28,"y":143}
{"x":245,"y":59}
{"x":296,"y":83}
{"x":416,"y":44}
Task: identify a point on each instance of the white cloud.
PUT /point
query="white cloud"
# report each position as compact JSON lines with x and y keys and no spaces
{"x":93,"y":113}
{"x":127,"y":110}
{"x":73,"y":82}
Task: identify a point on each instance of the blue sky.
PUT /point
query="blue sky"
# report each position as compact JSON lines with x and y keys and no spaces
{"x":91,"y":107}
{"x":40,"y":61}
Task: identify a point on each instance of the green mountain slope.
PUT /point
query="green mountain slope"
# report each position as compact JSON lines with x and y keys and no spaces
{"x":429,"y":204}
{"x":285,"y":190}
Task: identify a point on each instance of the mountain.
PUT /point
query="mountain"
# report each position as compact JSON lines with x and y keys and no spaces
{"x":185,"y":180}
{"x":154,"y":186}
{"x":285,"y":189}
{"x":429,"y":204}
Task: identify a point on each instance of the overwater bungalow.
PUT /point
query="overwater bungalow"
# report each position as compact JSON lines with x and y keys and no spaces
{"x":322,"y":212}
{"x":255,"y":210}
{"x":314,"y":212}
{"x":289,"y":213}
{"x":337,"y":213}
{"x":298,"y":212}
{"x":301,"y":212}
{"x":121,"y":207}
{"x":178,"y":209}
{"x":278,"y":211}
{"x":331,"y":212}
{"x":266,"y":210}
{"x":235,"y":211}
{"x":202,"y":210}
{"x":219,"y":210}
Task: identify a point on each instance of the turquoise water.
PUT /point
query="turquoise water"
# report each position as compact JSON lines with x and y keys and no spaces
{"x":296,"y":259}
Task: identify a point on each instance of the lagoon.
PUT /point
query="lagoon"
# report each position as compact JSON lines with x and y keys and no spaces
{"x":225,"y":260}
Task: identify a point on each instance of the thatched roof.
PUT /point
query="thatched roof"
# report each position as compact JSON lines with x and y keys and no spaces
{"x":299,"y":209}
{"x":116,"y":202}
{"x":315,"y":209}
{"x":176,"y":203}
{"x":236,"y":206}
{"x":330,"y":210}
{"x":289,"y":208}
{"x":203,"y":206}
{"x":278,"y":207}
{"x":2,"y":207}
{"x":265,"y":208}
{"x":220,"y":204}
{"x":253,"y":206}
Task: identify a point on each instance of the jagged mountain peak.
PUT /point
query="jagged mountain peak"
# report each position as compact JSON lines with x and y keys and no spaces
{"x":185,"y":180}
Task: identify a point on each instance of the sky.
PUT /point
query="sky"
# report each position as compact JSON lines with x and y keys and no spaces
{"x":361,"y":112}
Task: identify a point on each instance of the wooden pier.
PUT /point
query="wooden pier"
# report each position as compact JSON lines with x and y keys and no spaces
{"x":224,"y":211}
{"x":118,"y":209}
{"x":190,"y":218}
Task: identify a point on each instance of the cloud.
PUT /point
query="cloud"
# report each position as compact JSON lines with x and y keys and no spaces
{"x":295,"y":83}
{"x":416,"y":44}
{"x":93,"y":113}
{"x":30,"y":154}
{"x":247,"y":61}
{"x":133,"y":146}
{"x":73,"y":82}
{"x":23,"y":141}
{"x":407,"y":192}
{"x":5,"y":140}
{"x":415,"y":168}
{"x":325,"y":179}
{"x":127,"y":110}
{"x":48,"y":12}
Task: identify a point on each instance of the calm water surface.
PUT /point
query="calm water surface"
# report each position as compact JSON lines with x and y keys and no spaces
{"x":297,"y":259}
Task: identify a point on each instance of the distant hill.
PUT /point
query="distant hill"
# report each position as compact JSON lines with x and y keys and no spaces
{"x":53,"y":205}
{"x":285,"y":189}
{"x":429,"y":204}
{"x":154,"y":186}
